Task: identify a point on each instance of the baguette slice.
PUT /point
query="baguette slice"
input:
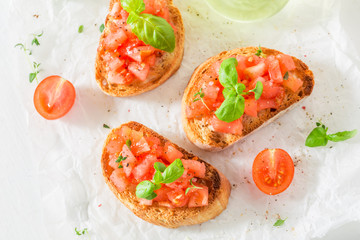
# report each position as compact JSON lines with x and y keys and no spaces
{"x":165,"y":66}
{"x":219,"y":191}
{"x":198,"y":130}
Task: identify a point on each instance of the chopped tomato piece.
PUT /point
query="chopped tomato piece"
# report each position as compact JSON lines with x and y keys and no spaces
{"x":114,"y":39}
{"x":135,"y":137}
{"x":199,"y":197}
{"x":270,"y":89}
{"x":155,"y":146}
{"x":130,"y":161}
{"x":253,"y":60}
{"x":255,"y":71}
{"x":234,"y":127}
{"x":197,"y":109}
{"x":140,"y":147}
{"x":140,"y":70}
{"x":275,"y":72}
{"x":115,"y":145}
{"x":112,"y":160}
{"x":122,"y":77}
{"x":115,"y":64}
{"x":273,"y":171}
{"x":171,"y":153}
{"x":146,"y":167}
{"x":115,"y":10}
{"x":250,"y":107}
{"x":241,"y":66}
{"x":119,"y":179}
{"x":140,"y":53}
{"x":266,"y":103}
{"x":177,"y":197}
{"x":145,"y":202}
{"x":293,"y":83}
{"x":286,"y":63}
{"x":150,"y":60}
{"x":197,"y":168}
{"x":162,"y":193}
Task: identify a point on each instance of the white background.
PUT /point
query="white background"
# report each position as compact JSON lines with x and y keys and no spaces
{"x":50,"y":176}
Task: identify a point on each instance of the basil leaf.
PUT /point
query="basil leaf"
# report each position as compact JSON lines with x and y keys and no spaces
{"x":239,"y":88}
{"x":174,"y":171}
{"x":128,"y":143}
{"x":32,"y":76}
{"x":228,"y":92}
{"x":159,"y":166}
{"x":231,"y":109}
{"x":136,"y":6}
{"x":153,"y":30}
{"x":316,"y":138}
{"x":341,"y":136}
{"x":80,"y":30}
{"x":158,"y":177}
{"x":258,"y":90}
{"x":279,"y":222}
{"x":227,"y":74}
{"x":286,"y":76}
{"x":101,"y":28}
{"x":145,"y":190}
{"x":157,"y":186}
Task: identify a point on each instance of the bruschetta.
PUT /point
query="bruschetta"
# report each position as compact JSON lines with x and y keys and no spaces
{"x":266,"y":83}
{"x":126,"y":65}
{"x":133,"y":155}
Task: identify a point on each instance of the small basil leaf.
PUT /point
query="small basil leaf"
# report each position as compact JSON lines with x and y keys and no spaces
{"x":32,"y":76}
{"x":158,"y":177}
{"x":157,"y":186}
{"x":227,"y":74}
{"x":159,"y":166}
{"x":80,"y":30}
{"x":341,"y":136}
{"x":153,"y":30}
{"x":136,"y":6}
{"x":228,"y":92}
{"x":286,"y":76}
{"x":174,"y":171}
{"x":316,"y":138}
{"x":145,"y":190}
{"x":258,"y":90}
{"x":239,"y":88}
{"x":279,"y":222}
{"x":231,"y":109}
{"x":101,"y":28}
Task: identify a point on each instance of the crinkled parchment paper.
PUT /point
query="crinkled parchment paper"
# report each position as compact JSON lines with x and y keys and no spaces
{"x":58,"y":162}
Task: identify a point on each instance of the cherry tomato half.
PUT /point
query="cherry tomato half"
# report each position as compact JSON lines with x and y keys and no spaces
{"x":273,"y":171}
{"x":54,"y":97}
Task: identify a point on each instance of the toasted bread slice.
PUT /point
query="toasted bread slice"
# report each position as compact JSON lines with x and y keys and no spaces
{"x":219,"y":190}
{"x":198,"y":131}
{"x":165,"y":66}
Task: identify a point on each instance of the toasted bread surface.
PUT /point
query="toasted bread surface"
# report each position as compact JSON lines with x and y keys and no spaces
{"x":198,"y":131}
{"x":219,"y":191}
{"x":165,"y":66}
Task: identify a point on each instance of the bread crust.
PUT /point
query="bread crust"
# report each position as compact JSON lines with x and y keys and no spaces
{"x":198,"y":131}
{"x":164,"y":68}
{"x":219,"y":191}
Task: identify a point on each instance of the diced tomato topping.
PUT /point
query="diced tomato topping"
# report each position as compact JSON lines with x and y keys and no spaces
{"x":115,"y":145}
{"x":122,"y":77}
{"x":234,"y":127}
{"x":118,"y":177}
{"x":162,"y":193}
{"x":177,"y":197}
{"x":293,"y":83}
{"x":155,"y":146}
{"x":286,"y":63}
{"x":145,"y":202}
{"x":140,"y":147}
{"x":275,"y":72}
{"x":130,"y":161}
{"x":145,"y":167}
{"x":140,"y":53}
{"x":114,"y":39}
{"x":197,"y":168}
{"x":150,"y":60}
{"x":199,"y":197}
{"x":140,"y":70}
{"x":266,"y":103}
{"x":171,"y":153}
{"x":250,"y":107}
{"x":255,"y":71}
{"x":241,"y":66}
{"x":253,"y":60}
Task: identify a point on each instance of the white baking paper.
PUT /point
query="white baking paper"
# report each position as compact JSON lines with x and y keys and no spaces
{"x":61,"y":158}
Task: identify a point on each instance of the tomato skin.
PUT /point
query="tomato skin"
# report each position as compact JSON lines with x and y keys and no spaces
{"x":54,"y":97}
{"x":273,"y":171}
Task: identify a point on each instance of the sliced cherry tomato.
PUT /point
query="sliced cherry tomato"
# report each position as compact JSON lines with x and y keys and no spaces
{"x":273,"y":171}
{"x":54,"y":97}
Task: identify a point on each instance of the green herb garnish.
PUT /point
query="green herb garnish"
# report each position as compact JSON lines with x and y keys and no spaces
{"x":319,"y":137}
{"x":279,"y":222}
{"x":81,"y":232}
{"x":201,"y":97}
{"x":286,"y":76}
{"x":105,"y":126}
{"x":234,"y":104}
{"x":102,"y":27}
{"x":81,"y":29}
{"x":119,"y":160}
{"x":128,"y":143}
{"x":193,"y":187}
{"x":34,"y":74}
{"x":35,"y":39}
{"x":150,"y":29}
{"x":260,"y":53}
{"x":163,"y":174}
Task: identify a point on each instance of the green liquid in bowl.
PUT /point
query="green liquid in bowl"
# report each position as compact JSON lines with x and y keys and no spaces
{"x":247,"y":10}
